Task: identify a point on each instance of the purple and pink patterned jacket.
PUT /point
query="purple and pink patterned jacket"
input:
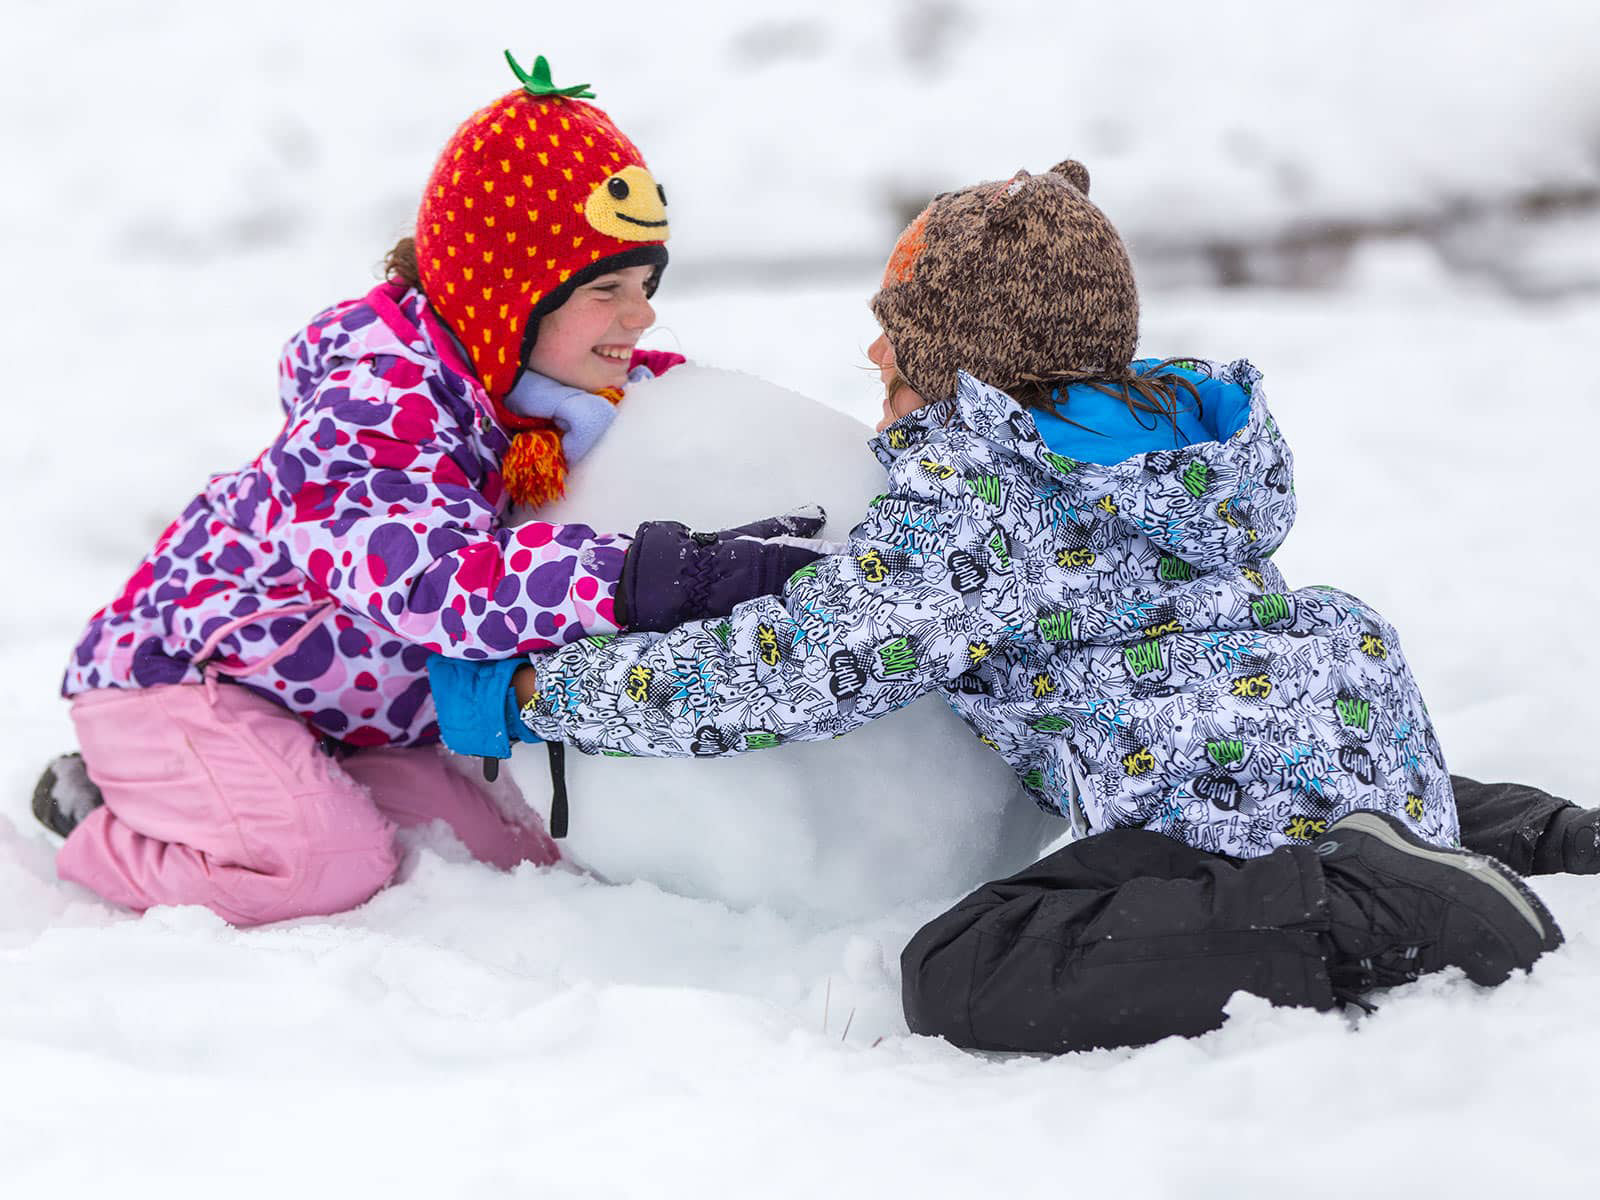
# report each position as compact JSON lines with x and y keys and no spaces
{"x":368,"y":534}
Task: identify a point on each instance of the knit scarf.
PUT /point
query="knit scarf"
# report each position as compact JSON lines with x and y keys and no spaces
{"x":535,"y":467}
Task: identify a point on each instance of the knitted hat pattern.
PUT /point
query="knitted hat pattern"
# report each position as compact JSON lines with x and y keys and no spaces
{"x":535,"y":194}
{"x":1013,"y":282}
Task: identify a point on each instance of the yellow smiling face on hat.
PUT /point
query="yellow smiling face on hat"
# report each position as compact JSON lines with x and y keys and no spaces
{"x":629,"y":206}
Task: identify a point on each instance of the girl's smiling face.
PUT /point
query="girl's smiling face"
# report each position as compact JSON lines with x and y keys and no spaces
{"x":899,"y":398}
{"x":588,"y":342}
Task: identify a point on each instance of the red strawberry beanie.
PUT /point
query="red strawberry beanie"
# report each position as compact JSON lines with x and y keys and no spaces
{"x":535,"y":195}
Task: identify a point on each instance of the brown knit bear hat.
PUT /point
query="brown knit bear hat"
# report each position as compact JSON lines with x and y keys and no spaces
{"x":1019,"y":282}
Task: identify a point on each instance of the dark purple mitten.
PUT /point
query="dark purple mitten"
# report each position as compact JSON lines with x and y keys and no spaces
{"x":672,"y":575}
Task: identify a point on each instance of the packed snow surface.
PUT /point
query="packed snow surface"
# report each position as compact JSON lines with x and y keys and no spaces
{"x":191,"y":182}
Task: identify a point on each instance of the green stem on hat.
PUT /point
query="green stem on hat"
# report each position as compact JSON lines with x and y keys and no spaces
{"x":539,"y":83}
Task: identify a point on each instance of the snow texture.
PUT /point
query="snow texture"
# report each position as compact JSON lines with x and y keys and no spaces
{"x":191,"y":181}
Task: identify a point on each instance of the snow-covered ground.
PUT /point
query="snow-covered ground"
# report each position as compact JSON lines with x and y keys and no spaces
{"x":188,"y":182}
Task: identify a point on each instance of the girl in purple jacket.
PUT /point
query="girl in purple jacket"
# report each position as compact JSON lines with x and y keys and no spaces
{"x":253,"y":707}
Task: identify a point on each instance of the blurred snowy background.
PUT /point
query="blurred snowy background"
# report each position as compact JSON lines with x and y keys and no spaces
{"x":1392,"y":208}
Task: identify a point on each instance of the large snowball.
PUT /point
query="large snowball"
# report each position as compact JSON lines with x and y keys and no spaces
{"x":911,"y":807}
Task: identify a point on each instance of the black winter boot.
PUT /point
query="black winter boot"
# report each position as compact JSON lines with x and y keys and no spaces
{"x":65,"y":795}
{"x":1570,"y":844}
{"x":1399,"y":908}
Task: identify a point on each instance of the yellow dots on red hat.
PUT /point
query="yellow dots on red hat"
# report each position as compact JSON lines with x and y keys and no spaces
{"x":470,"y":236}
{"x":555,"y":139}
{"x":565,"y":124}
{"x":567,"y":171}
{"x":495,"y":126}
{"x":450,"y":289}
{"x":472,"y":312}
{"x":577,"y":241}
{"x":552,"y":192}
{"x":593,"y":254}
{"x":526,"y":284}
{"x":488,"y":293}
{"x":549,"y":264}
{"x":505,"y":166}
{"x":450,"y":215}
{"x":564,"y":276}
{"x":504,"y":309}
{"x":436,"y":263}
{"x":511,"y":237}
{"x":436,"y":228}
{"x":577,"y":206}
{"x":488,"y":185}
{"x":438,"y":192}
{"x":466,"y":273}
{"x":455,"y":178}
{"x":544,"y":158}
{"x":489,"y":221}
{"x":527,"y":181}
{"x":456,"y":157}
{"x":507,"y":272}
{"x":477,"y":144}
{"x":502,"y":348}
{"x":450,"y":250}
{"x":488,"y":257}
{"x":519,"y":142}
{"x":533,"y":126}
{"x":488,"y":336}
{"x":533,"y":214}
{"x":511,"y":201}
{"x":555,"y":229}
{"x":578,"y":155}
{"x":508,"y":112}
{"x":588,"y":140}
{"x":615,"y":157}
{"x":467,"y":200}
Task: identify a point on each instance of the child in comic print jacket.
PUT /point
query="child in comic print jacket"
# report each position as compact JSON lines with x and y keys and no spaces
{"x":1076,"y":549}
{"x":294,"y":602}
{"x":1117,"y":633}
{"x":1116,"y":630}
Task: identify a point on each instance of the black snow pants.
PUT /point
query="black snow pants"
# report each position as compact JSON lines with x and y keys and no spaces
{"x":1127,"y":937}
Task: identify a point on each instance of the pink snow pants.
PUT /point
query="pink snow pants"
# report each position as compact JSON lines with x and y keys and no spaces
{"x":217,"y":796}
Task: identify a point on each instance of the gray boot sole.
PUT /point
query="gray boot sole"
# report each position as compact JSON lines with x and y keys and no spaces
{"x":1496,"y":875}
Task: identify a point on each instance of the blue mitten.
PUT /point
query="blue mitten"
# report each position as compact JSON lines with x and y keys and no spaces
{"x":477,"y":708}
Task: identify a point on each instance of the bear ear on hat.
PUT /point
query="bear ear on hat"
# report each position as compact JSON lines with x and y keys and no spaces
{"x":1008,"y":200}
{"x":1074,"y":172}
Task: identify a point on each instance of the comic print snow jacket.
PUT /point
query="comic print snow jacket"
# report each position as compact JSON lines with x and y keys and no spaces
{"x":368,"y":534}
{"x":1117,"y":633}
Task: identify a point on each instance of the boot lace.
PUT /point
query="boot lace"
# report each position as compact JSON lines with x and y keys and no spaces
{"x":1397,"y":964}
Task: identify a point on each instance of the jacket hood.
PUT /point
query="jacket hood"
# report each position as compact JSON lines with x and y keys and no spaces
{"x":1212,"y":504}
{"x":398,"y":334}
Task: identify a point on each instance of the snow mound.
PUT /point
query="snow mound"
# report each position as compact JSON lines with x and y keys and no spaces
{"x":909,"y":807}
